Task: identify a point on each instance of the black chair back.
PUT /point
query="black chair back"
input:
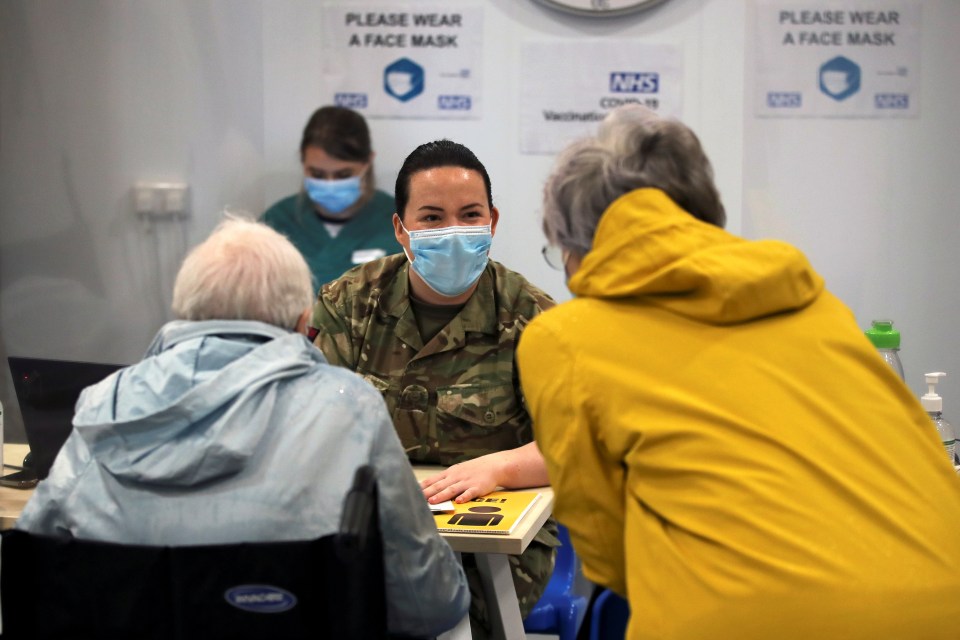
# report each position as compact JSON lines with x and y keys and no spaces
{"x":331,"y":587}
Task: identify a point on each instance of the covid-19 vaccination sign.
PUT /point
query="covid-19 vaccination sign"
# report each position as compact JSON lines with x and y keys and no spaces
{"x":403,"y":60}
{"x":568,"y":86}
{"x":855,"y":59}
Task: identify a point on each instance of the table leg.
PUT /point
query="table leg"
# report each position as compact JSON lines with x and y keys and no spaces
{"x":502,"y":604}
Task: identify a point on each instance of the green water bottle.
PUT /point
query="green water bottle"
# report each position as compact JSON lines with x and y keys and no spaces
{"x":887,"y":341}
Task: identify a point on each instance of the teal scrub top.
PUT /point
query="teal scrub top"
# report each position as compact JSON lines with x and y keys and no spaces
{"x":366,"y":236}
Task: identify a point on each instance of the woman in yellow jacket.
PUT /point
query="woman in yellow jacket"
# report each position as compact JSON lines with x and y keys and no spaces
{"x":727,"y":449}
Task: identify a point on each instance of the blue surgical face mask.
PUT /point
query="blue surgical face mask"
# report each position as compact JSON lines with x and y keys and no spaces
{"x":333,"y":195}
{"x":450,"y":259}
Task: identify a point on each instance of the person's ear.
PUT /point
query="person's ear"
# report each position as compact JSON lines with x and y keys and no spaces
{"x":368,"y":172}
{"x":571,"y":263}
{"x":399,"y":233}
{"x":494,"y":218}
{"x":303,"y":320}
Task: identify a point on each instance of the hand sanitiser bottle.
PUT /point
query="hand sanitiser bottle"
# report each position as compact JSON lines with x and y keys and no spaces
{"x":887,"y":341}
{"x":933,"y":404}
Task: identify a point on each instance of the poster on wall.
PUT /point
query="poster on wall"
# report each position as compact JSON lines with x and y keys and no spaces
{"x":568,"y":86}
{"x":403,"y":59}
{"x":838,"y":59}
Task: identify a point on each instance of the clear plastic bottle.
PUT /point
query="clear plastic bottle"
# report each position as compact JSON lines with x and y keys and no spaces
{"x":933,"y":404}
{"x":887,"y":341}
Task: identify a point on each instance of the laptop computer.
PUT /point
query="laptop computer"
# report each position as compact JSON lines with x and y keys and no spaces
{"x":47,"y":392}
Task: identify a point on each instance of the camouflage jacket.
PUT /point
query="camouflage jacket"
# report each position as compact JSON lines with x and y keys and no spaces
{"x":458,"y":396}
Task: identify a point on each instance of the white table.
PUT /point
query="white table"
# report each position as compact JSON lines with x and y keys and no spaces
{"x":491,"y":553}
{"x":12,"y":500}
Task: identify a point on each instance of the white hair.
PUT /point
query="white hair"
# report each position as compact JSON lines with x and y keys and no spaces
{"x":244,"y":271}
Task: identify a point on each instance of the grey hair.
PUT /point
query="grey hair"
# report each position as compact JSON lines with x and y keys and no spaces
{"x":634,"y":148}
{"x":244,"y":271}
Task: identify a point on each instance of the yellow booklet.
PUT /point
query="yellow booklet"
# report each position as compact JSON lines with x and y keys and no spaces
{"x":496,"y":513}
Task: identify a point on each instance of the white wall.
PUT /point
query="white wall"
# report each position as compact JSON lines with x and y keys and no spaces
{"x":99,"y":94}
{"x":874,"y":204}
{"x":94,"y":96}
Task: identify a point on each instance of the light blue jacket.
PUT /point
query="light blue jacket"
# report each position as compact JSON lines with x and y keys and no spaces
{"x":235,"y":431}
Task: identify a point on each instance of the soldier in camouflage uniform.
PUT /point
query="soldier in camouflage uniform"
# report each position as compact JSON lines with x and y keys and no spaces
{"x":444,"y":363}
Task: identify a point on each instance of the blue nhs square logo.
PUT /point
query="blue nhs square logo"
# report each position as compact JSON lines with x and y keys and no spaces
{"x":454,"y":103}
{"x":351,"y":100}
{"x":634,"y":82}
{"x":784,"y":99}
{"x":891,"y":101}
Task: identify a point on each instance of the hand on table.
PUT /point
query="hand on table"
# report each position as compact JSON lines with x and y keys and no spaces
{"x":512,"y":469}
{"x":462,"y":482}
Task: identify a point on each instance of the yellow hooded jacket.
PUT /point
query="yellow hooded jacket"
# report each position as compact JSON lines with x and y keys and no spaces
{"x":729,"y":451}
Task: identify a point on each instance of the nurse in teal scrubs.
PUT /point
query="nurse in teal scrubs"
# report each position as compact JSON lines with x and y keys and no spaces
{"x":339,"y":219}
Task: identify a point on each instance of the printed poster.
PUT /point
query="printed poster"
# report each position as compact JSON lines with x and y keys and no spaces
{"x":568,"y":86}
{"x":846,"y":58}
{"x":403,"y":60}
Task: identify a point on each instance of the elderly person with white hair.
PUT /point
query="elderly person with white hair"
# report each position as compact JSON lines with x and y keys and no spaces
{"x":234,"y":428}
{"x":727,"y":449}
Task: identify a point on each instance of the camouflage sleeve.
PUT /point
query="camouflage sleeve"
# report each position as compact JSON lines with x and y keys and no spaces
{"x":537,"y":301}
{"x":330,"y":328}
{"x":542,"y":301}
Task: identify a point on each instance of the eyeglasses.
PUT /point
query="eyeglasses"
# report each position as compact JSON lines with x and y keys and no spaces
{"x":553,"y":255}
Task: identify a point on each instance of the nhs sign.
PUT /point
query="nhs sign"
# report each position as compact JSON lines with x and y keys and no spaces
{"x":454,"y":103}
{"x":350,"y":100}
{"x":634,"y":82}
{"x":891,"y":101}
{"x":784,"y":99}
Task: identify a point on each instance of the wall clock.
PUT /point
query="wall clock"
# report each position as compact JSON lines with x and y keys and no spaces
{"x":599,"y":8}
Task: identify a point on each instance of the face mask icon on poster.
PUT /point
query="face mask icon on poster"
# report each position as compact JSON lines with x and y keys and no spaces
{"x":399,"y":84}
{"x":450,"y":259}
{"x":403,"y":79}
{"x":840,"y":78}
{"x":835,"y":82}
{"x":335,"y":196}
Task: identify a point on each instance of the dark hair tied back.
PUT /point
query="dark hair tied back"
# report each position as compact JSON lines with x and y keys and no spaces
{"x":342,"y":133}
{"x":431,"y":155}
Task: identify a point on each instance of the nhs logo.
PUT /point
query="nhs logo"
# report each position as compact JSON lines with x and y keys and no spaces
{"x":454,"y":103}
{"x":350,"y":100}
{"x":784,"y":99}
{"x":891,"y":101}
{"x":634,"y":82}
